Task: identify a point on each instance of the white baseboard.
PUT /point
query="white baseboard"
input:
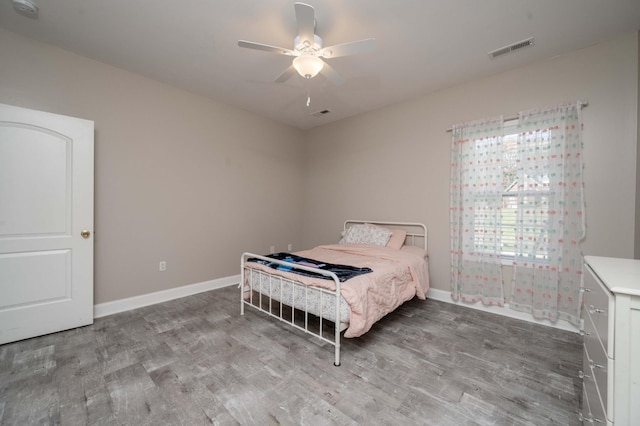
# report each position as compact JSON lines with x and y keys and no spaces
{"x":122,"y":305}
{"x":445,"y":296}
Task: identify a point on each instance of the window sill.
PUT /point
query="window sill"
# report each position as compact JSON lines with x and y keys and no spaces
{"x":508,"y":261}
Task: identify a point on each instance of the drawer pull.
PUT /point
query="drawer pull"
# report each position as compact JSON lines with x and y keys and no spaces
{"x":594,"y":310}
{"x":589,"y":418}
{"x":594,"y":365}
{"x":584,"y":333}
{"x":581,"y":375}
{"x":585,"y":290}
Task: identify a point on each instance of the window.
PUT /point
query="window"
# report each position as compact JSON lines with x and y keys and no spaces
{"x":509,"y":195}
{"x":521,"y":193}
{"x":525,"y":198}
{"x":516,"y":197}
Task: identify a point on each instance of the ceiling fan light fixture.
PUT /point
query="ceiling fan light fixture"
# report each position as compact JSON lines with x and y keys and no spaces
{"x":308,"y":66}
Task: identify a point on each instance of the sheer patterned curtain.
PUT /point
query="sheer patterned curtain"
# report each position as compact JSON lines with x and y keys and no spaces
{"x":547,"y":272}
{"x":476,"y":198}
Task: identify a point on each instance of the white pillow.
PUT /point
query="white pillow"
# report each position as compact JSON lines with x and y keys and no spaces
{"x":366,"y":234}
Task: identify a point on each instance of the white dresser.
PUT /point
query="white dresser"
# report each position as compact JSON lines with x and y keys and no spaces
{"x":611,"y":327}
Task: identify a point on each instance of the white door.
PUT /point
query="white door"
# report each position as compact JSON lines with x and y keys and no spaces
{"x":46,"y":223}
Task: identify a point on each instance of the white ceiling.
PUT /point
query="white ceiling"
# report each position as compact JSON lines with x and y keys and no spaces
{"x":421,"y":45}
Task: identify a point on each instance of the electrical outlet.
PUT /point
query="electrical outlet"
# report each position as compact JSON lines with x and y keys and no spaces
{"x":163,"y":266}
{"x":272,"y":249}
{"x":289,"y":247}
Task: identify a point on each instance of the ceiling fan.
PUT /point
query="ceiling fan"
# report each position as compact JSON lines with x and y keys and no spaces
{"x":308,"y":51}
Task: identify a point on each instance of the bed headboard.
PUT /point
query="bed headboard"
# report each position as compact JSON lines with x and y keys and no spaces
{"x":416,"y":232}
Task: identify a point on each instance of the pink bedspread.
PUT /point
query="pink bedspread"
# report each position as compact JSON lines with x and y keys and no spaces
{"x":397,"y":276}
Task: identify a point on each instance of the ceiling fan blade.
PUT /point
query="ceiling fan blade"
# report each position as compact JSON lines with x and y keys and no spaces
{"x":265,"y":47}
{"x":350,"y":48}
{"x":329,"y":72}
{"x":305,"y":16}
{"x":286,"y":75}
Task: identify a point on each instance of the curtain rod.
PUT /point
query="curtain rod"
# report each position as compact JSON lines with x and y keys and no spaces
{"x":581,"y":103}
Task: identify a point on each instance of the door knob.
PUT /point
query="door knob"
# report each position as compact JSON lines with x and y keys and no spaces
{"x":85,"y":233}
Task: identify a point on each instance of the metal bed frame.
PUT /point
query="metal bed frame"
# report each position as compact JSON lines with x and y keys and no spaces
{"x":416,"y":233}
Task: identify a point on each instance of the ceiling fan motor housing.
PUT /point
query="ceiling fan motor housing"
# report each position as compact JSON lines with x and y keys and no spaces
{"x":302,"y":47}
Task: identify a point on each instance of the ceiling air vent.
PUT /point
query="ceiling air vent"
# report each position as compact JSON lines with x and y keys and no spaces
{"x":512,"y":47}
{"x":321,"y":113}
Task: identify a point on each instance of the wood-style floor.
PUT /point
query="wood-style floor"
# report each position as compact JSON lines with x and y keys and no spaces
{"x":195,"y":361}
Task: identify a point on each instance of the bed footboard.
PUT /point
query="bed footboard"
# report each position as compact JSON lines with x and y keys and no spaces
{"x":281,"y":297}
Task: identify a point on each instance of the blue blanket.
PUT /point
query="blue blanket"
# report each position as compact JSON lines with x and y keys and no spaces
{"x":343,"y":272}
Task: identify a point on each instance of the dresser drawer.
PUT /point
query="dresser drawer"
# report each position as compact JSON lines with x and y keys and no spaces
{"x":591,"y":337}
{"x":592,"y":406}
{"x":599,"y":305}
{"x":588,"y":416}
{"x":597,"y":366}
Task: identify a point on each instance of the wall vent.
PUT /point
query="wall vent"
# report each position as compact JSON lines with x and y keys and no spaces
{"x":512,"y":47}
{"x":321,"y":113}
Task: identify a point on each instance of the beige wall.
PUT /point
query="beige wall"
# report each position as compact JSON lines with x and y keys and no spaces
{"x":393,"y":163}
{"x":637,"y":233}
{"x":178,"y":177}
